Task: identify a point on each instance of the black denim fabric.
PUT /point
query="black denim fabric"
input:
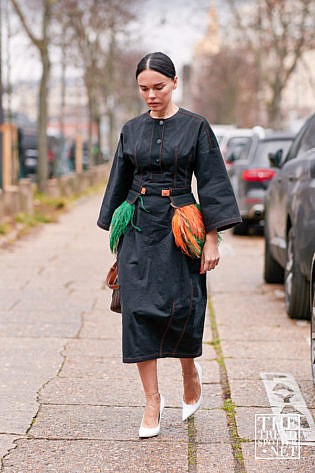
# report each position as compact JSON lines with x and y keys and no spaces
{"x":163,"y":296}
{"x":166,"y":153}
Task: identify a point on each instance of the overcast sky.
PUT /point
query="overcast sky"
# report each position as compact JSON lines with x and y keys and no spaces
{"x":171,"y":26}
{"x":174,"y":26}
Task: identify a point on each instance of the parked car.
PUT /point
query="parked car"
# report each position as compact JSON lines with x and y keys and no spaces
{"x":28,"y":150}
{"x":232,"y":143}
{"x":290,"y":221}
{"x":251,"y":174}
{"x":221,"y":130}
{"x":312,"y":310}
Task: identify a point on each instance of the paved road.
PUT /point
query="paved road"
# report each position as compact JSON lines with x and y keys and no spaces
{"x":68,"y":404}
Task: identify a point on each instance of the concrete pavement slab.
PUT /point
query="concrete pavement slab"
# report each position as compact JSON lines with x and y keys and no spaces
{"x":17,"y":418}
{"x":272,"y":332}
{"x":100,"y":392}
{"x":56,"y":303}
{"x":34,"y":330}
{"x":97,"y":350}
{"x":25,"y":365}
{"x":7,"y":443}
{"x":223,"y":279}
{"x":107,"y":326}
{"x":257,"y":308}
{"x":210,"y":426}
{"x":263,"y":349}
{"x":109,"y":323}
{"x":252,"y":393}
{"x":43,"y":323}
{"x":308,"y":391}
{"x":251,"y":368}
{"x":102,"y":423}
{"x":214,"y":458}
{"x":249,"y":393}
{"x":51,"y":456}
{"x":98,"y":368}
{"x":245,"y":418}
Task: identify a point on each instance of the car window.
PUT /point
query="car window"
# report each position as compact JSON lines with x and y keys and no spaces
{"x":308,"y":140}
{"x":266,"y":147}
{"x":304,"y":141}
{"x":235,"y":146}
{"x":244,"y":152}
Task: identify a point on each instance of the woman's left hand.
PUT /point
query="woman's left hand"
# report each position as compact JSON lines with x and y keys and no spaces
{"x":210,"y":254}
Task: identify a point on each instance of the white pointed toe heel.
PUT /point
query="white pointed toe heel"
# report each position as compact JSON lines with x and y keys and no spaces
{"x":147,"y":432}
{"x":190,"y":409}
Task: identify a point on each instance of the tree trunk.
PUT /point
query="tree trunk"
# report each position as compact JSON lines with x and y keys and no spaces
{"x":90,"y":131}
{"x":274,"y":106}
{"x":97,"y":157}
{"x":42,"y":164}
{"x":112,"y":139}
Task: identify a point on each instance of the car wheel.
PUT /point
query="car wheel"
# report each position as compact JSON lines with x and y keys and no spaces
{"x":313,"y":334}
{"x":241,"y":229}
{"x":296,"y":287}
{"x":273,"y":272}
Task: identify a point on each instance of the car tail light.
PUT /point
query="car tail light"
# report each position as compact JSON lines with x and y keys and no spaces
{"x":257,"y":175}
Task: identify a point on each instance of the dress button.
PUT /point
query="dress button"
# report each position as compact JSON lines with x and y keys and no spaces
{"x":161,"y":122}
{"x":159,"y":141}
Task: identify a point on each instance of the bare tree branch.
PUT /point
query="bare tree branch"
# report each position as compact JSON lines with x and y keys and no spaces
{"x":278,"y":37}
{"x":36,"y":41}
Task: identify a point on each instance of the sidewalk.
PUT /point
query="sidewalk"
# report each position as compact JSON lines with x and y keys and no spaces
{"x":68,"y":404}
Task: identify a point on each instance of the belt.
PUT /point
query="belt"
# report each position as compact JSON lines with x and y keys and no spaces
{"x":154,"y":190}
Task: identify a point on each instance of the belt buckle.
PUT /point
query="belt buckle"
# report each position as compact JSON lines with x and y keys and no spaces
{"x":166,"y":192}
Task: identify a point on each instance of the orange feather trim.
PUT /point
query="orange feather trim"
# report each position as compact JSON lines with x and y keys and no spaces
{"x":189,"y":230}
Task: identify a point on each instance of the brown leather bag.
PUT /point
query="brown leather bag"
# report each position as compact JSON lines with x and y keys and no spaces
{"x":112,"y":283}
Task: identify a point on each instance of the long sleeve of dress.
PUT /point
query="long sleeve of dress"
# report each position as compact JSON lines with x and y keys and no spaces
{"x":216,"y":197}
{"x":119,"y":183}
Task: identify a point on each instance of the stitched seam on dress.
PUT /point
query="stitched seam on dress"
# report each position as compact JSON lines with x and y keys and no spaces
{"x":137,"y":166}
{"x":230,"y":220}
{"x":192,"y":114}
{"x":185,"y":187}
{"x":211,"y":143}
{"x":136,"y":157}
{"x":187,"y":318}
{"x":175,"y":167}
{"x":187,"y":167}
{"x":164,"y":353}
{"x":150,"y":150}
{"x":161,"y":147}
{"x":168,"y":326}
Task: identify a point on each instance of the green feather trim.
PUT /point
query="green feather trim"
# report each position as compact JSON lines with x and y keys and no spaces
{"x":122,"y":216}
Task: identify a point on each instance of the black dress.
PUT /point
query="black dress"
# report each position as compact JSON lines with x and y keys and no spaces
{"x":163,"y":294}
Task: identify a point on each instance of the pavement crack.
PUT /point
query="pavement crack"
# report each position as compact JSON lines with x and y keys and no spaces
{"x":41,"y":269}
{"x":14,"y":304}
{"x":94,"y":304}
{"x":228,"y":406}
{"x":2,"y":458}
{"x":53,"y":258}
{"x":68,"y":284}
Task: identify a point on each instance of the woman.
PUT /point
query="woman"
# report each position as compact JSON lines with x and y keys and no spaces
{"x":163,"y":286}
